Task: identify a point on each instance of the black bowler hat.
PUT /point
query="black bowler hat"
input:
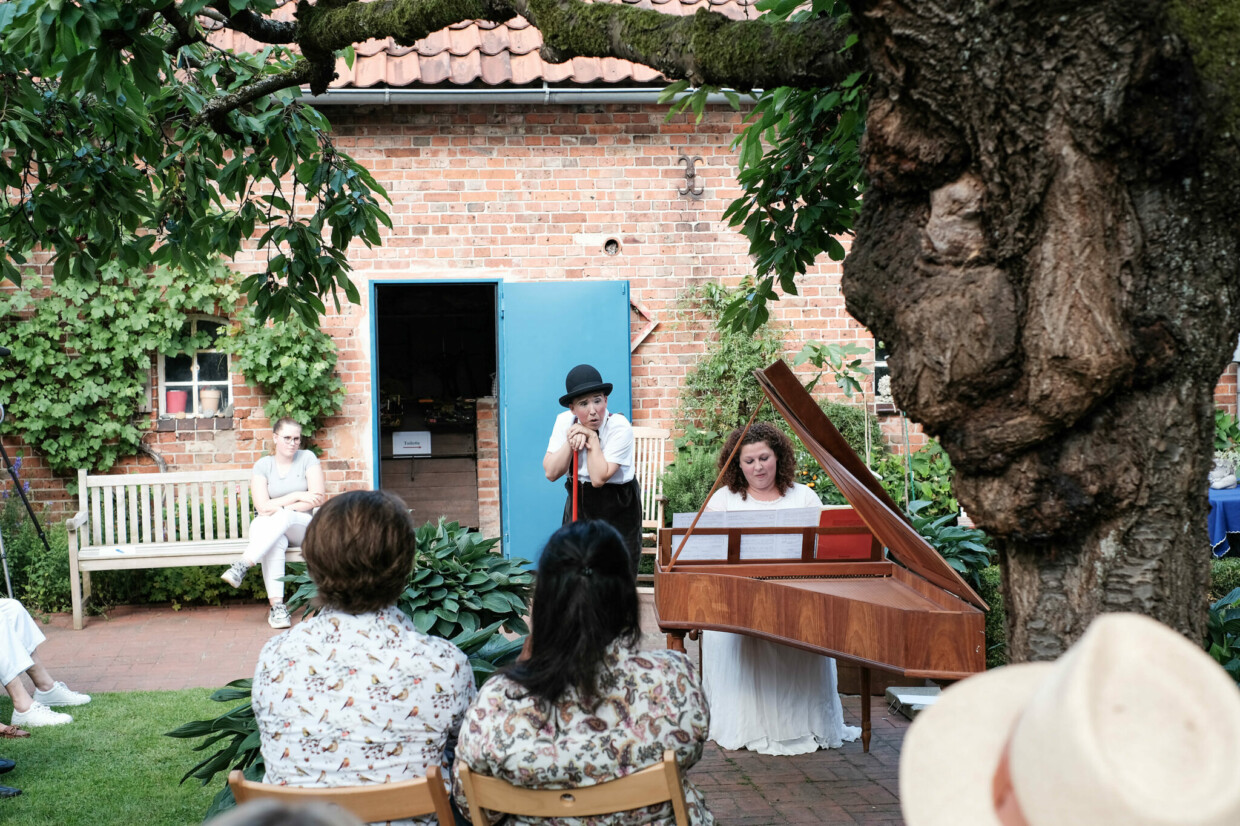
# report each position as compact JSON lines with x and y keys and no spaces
{"x":581,"y":380}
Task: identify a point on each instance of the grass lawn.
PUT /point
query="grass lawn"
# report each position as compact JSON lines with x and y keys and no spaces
{"x":111,"y":766}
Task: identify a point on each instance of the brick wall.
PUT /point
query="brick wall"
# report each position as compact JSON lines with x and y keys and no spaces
{"x":1225,"y":391}
{"x":525,"y":193}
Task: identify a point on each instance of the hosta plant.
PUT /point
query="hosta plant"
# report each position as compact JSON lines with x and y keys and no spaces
{"x":459,"y":589}
{"x":967,"y":550}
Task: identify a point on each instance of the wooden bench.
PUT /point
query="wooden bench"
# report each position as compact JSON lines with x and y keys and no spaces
{"x":649,"y":450}
{"x":157,"y":520}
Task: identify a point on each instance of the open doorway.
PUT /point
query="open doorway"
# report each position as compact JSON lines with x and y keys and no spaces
{"x":436,"y":352}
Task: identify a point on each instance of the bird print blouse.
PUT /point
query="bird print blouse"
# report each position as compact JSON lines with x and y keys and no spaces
{"x":345,"y":700}
{"x":649,"y":701}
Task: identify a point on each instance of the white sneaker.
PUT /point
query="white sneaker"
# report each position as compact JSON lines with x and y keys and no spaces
{"x":61,"y":695}
{"x":279,"y":618}
{"x":39,"y":715}
{"x":235,"y":573}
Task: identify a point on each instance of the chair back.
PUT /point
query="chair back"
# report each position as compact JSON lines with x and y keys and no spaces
{"x":370,"y":803}
{"x":649,"y":450}
{"x":659,"y":783}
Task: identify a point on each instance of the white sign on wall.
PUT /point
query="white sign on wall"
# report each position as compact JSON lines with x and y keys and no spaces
{"x":411,"y":443}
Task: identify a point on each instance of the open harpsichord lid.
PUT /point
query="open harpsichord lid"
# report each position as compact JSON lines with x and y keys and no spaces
{"x":880,"y":514}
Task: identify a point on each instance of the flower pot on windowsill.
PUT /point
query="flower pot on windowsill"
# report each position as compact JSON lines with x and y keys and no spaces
{"x":210,"y":400}
{"x":176,"y":401}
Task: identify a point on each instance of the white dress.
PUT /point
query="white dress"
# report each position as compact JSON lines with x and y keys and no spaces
{"x":766,"y":697}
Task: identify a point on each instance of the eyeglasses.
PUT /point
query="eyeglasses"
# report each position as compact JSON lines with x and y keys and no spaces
{"x":289,"y":439}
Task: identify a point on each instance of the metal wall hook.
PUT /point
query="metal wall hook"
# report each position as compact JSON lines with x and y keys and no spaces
{"x":692,"y":185}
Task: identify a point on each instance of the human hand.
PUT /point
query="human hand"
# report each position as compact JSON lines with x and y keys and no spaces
{"x":313,"y":499}
{"x":267,"y":509}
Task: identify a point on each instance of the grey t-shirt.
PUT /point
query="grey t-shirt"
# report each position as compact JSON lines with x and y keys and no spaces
{"x":292,"y":482}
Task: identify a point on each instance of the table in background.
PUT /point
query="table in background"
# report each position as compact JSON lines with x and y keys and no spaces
{"x":1224,"y":518}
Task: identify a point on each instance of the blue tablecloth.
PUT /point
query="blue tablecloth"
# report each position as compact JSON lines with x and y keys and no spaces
{"x":1224,"y":518}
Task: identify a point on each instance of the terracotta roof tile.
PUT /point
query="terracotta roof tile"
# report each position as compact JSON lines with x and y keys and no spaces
{"x":493,"y":54}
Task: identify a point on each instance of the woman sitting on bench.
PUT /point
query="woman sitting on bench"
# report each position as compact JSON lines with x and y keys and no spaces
{"x":286,"y":487}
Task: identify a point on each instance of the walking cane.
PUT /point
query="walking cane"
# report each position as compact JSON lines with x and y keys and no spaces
{"x":575,"y":460}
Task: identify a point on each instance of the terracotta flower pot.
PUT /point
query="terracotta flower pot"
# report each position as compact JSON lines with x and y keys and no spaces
{"x":210,"y":401}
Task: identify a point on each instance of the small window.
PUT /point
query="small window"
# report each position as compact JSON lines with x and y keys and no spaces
{"x":198,"y":383}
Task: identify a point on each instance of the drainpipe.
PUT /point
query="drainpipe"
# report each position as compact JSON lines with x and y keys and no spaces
{"x":546,"y":95}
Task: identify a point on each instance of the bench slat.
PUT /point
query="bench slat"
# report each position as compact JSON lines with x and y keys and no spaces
{"x":219,"y":510}
{"x":109,"y":517}
{"x":195,"y":490}
{"x":96,"y":524}
{"x":122,"y":479}
{"x":183,"y":512}
{"x":133,"y":514}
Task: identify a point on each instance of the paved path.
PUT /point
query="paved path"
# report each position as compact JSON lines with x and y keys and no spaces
{"x":157,"y":648}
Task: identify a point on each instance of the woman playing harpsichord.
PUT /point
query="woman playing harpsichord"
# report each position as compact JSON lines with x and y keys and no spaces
{"x":766,"y":697}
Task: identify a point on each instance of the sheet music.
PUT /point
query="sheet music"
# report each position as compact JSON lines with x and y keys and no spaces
{"x":753,"y":546}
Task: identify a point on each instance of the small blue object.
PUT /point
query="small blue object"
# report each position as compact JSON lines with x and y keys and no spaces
{"x":1224,"y":518}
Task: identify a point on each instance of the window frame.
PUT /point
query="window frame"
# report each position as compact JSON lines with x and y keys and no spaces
{"x":194,"y":385}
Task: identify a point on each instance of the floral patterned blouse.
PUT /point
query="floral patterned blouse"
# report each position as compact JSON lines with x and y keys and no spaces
{"x":344,"y":699}
{"x":650,"y":701}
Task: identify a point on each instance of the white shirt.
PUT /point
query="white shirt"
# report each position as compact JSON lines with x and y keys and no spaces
{"x":797,"y":496}
{"x":616,"y":437}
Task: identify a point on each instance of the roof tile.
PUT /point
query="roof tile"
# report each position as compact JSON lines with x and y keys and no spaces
{"x":495,"y":53}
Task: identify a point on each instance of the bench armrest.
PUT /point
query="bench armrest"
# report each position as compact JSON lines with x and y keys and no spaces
{"x":76,"y":521}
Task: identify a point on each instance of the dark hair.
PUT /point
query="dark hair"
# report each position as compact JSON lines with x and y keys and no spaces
{"x":359,"y":550}
{"x":584,"y":598}
{"x":284,"y":420}
{"x":776,"y":440}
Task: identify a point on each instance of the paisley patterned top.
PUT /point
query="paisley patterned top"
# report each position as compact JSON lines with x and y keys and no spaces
{"x":344,"y":700}
{"x":650,"y":701}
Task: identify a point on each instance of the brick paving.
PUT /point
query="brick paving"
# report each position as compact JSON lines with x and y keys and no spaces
{"x":157,"y":648}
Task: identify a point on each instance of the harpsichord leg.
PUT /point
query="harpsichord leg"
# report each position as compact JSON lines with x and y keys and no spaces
{"x":865,"y":710}
{"x":676,"y":640}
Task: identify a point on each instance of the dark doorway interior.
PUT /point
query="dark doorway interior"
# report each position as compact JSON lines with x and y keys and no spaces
{"x":436,"y":354}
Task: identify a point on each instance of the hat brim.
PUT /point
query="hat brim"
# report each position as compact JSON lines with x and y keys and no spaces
{"x":949,"y":756}
{"x":567,"y":399}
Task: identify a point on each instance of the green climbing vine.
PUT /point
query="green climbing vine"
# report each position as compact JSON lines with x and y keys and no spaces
{"x":292,"y":363}
{"x":81,"y":353}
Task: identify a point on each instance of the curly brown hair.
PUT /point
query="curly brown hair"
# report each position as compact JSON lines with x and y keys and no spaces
{"x":359,"y":550}
{"x":776,"y":440}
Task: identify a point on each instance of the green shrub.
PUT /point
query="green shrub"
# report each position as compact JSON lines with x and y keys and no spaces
{"x":990,"y":582}
{"x":1224,"y":577}
{"x":688,"y":478}
{"x":459,"y":589}
{"x":1223,"y":633}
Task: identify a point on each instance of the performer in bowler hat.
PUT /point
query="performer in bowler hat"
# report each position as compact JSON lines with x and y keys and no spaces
{"x":607,"y":486}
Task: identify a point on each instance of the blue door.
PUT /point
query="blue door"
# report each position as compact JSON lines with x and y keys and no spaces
{"x":545,"y":330}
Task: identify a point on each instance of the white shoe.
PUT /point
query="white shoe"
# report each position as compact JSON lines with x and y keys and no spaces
{"x":39,"y":715}
{"x":279,"y":618}
{"x":61,"y":695}
{"x":235,"y":573}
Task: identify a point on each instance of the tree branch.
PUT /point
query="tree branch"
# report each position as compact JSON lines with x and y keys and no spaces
{"x":215,"y":111}
{"x":705,"y":48}
{"x":256,"y":27}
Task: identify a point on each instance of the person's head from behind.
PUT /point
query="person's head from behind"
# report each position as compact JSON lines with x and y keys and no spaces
{"x":765,"y":461}
{"x":584,"y":599}
{"x":277,"y":813}
{"x":359,"y":550}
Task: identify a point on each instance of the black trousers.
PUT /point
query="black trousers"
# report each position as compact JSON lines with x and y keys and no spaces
{"x":618,"y":505}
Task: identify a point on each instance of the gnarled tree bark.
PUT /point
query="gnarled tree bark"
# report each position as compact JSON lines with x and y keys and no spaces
{"x":1049,"y":251}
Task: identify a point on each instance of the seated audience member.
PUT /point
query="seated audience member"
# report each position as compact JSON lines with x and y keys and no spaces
{"x":19,"y":637}
{"x":275,"y":813}
{"x":1134,"y":725}
{"x":587,"y":706}
{"x":357,"y":694}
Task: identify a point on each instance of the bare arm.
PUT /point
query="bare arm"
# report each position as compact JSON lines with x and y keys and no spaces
{"x":312,"y":498}
{"x":600,"y":469}
{"x":556,"y":462}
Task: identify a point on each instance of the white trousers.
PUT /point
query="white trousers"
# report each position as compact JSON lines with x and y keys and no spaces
{"x":19,"y":637}
{"x":270,"y":537}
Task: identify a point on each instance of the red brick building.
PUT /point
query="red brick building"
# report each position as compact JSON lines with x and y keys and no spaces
{"x":504,"y":170}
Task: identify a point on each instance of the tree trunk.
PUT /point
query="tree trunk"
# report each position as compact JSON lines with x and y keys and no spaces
{"x":1048,"y":250}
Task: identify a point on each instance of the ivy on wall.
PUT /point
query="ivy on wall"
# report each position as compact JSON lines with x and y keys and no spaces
{"x":292,"y":363}
{"x":81,"y":353}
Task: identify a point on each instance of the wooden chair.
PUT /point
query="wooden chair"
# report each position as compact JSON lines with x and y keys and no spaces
{"x":649,"y":450}
{"x":377,"y":802}
{"x":655,"y":784}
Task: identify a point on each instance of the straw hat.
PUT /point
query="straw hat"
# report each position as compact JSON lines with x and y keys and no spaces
{"x":1133,"y":726}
